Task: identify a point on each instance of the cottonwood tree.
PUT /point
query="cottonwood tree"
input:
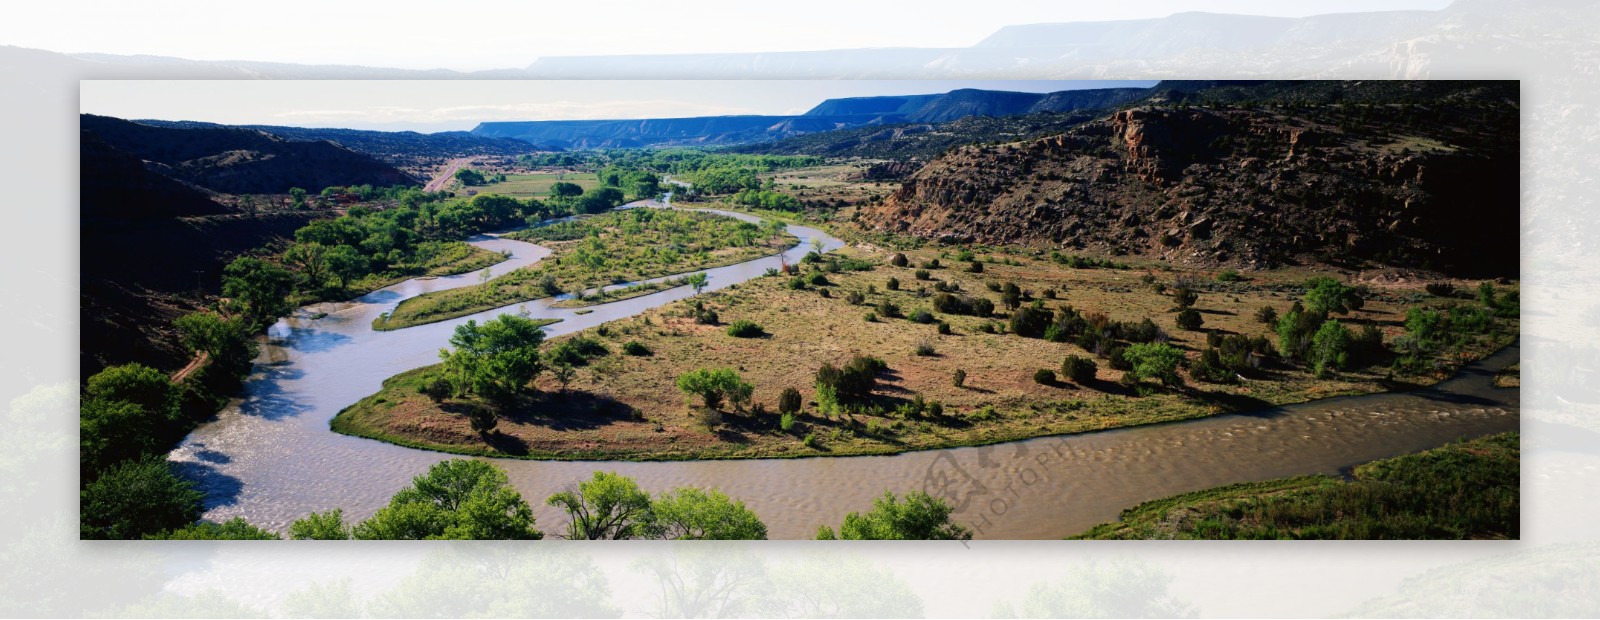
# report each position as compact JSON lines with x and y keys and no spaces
{"x":458,"y":499}
{"x":606,"y":507}
{"x":919,"y":516}
{"x":691,"y":513}
{"x":496,"y":358}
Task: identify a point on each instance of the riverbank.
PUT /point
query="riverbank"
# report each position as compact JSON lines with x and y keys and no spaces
{"x":626,"y":407}
{"x":1466,"y":490}
{"x":618,"y":247}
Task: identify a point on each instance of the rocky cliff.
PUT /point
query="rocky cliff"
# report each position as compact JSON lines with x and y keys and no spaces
{"x":1431,"y":186}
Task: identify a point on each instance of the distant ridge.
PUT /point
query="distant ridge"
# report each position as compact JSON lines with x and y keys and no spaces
{"x":830,"y":115}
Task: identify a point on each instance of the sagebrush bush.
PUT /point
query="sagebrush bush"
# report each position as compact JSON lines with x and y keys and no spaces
{"x":745,"y":329}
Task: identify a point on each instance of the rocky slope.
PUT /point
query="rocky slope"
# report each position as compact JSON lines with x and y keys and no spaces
{"x":1425,"y":185}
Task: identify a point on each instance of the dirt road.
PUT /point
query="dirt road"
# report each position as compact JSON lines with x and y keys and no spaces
{"x":443,"y":178}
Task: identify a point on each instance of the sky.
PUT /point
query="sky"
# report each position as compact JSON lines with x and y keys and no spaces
{"x":488,"y":34}
{"x":429,"y":106}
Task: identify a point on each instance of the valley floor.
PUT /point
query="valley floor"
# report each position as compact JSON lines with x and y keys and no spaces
{"x":628,"y":407}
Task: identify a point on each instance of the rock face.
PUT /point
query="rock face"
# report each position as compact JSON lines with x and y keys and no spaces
{"x":1430,"y":186}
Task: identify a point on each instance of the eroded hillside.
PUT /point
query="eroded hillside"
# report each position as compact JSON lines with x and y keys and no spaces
{"x":1423,"y":185}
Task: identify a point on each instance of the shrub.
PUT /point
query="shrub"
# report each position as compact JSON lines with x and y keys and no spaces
{"x":1295,"y":329}
{"x":1189,"y":319}
{"x":893,"y":284}
{"x":922,"y":316}
{"x":871,"y":317}
{"x":959,"y":378}
{"x":436,"y":388}
{"x":922,"y":274}
{"x":817,"y":278}
{"x":810,"y":441}
{"x":1044,"y":376}
{"x":745,"y":329}
{"x":855,"y":298}
{"x":1117,"y":358}
{"x":1441,"y":289}
{"x":1330,"y":348}
{"x":714,"y":386}
{"x":1184,"y":297}
{"x":975,"y":267}
{"x":635,"y":348}
{"x":932,"y":263}
{"x":1329,"y":296}
{"x":1267,"y":315}
{"x":789,"y":400}
{"x":924,"y":349}
{"x":899,"y":260}
{"x":888,"y":309}
{"x":706,"y":316}
{"x":1030,"y":322}
{"x":786,"y":422}
{"x":797,"y":283}
{"x":1079,"y":370}
{"x":1155,"y":360}
{"x":1229,"y":275}
{"x":943,"y":328}
{"x":1050,"y":293}
{"x":483,"y":419}
{"x":982,"y":306}
{"x":852,"y":383}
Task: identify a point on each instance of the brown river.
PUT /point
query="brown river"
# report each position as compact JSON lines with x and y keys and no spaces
{"x":271,"y":458}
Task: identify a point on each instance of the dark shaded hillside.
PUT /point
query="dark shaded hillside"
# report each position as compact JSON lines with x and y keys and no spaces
{"x":966,"y":102}
{"x":114,"y":183}
{"x":1426,"y":185}
{"x":395,"y":147}
{"x":241,"y":161}
{"x":918,"y":141}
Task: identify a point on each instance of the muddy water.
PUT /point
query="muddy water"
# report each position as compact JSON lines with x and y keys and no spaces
{"x":270,"y":457}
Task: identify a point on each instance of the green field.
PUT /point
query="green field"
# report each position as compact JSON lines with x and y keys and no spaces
{"x":537,"y":185}
{"x":1466,"y":490}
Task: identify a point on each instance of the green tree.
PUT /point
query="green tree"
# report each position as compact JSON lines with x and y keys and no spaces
{"x":259,"y":289}
{"x":136,"y":498}
{"x":458,"y":499}
{"x":297,"y":198}
{"x":226,"y":340}
{"x":1330,"y":348}
{"x":608,"y":506}
{"x":1154,"y":360}
{"x":345,"y":263}
{"x":468,"y":176}
{"x":496,"y":358}
{"x":328,"y":525}
{"x":232,"y":529}
{"x":713,"y":385}
{"x":698,"y":281}
{"x":125,"y":413}
{"x":919,"y":516}
{"x":311,"y":259}
{"x":563,"y":189}
{"x":690,"y":513}
{"x":1329,"y":296}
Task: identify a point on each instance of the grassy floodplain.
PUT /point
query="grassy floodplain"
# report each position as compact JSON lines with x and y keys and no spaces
{"x":1464,"y":490}
{"x":627,"y":407}
{"x":536,"y":185}
{"x":591,"y":252}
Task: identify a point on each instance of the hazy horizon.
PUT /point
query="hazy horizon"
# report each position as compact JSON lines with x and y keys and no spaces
{"x":435,"y":106}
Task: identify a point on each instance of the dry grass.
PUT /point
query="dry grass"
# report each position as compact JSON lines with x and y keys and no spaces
{"x":629,"y":408}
